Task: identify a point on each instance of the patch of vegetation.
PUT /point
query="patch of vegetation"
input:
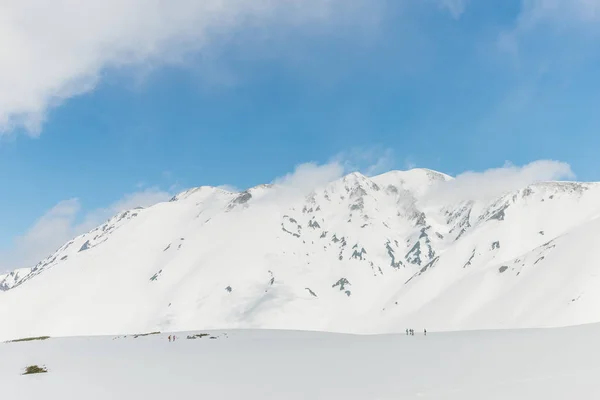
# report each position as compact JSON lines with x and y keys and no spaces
{"x":198,"y":336}
{"x":29,"y":339}
{"x":145,"y":334}
{"x":35,"y":369}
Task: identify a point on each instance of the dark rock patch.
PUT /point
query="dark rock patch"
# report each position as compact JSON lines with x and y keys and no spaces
{"x":341,"y":283}
{"x":85,"y":246}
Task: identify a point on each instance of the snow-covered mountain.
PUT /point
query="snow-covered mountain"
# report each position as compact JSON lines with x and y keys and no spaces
{"x":358,"y":255}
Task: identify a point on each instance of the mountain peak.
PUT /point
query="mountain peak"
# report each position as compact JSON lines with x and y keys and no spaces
{"x":417,"y":181}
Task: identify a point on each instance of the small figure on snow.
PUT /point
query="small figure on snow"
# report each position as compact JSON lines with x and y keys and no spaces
{"x":425,"y":332}
{"x":407,"y":332}
{"x":169,"y":338}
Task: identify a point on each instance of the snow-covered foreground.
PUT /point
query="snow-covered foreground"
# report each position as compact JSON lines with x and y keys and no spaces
{"x":557,"y":363}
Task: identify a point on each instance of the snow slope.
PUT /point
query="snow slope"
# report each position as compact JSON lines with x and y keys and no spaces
{"x":360,"y":255}
{"x":549,"y":364}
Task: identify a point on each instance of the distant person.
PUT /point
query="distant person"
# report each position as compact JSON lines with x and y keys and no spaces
{"x":425,"y":332}
{"x":407,"y":332}
{"x":169,"y":338}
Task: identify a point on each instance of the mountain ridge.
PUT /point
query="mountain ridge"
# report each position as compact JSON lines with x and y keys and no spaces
{"x":359,"y":254}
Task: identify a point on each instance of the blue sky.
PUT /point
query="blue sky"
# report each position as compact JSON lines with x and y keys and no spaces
{"x":110,"y":111}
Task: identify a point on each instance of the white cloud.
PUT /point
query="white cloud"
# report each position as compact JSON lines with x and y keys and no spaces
{"x":49,"y":232}
{"x":50,"y":52}
{"x":383,"y":163}
{"x":410,"y":163}
{"x":65,"y":221}
{"x":455,"y":7}
{"x":308,"y":176}
{"x":229,"y":188}
{"x":494,"y":182}
{"x":370,"y":162}
{"x":538,"y":11}
{"x":558,"y":16}
{"x":295,"y":185}
{"x":548,"y":48}
{"x":145,"y":198}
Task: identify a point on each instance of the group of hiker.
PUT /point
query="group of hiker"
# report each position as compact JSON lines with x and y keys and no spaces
{"x":171,"y":339}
